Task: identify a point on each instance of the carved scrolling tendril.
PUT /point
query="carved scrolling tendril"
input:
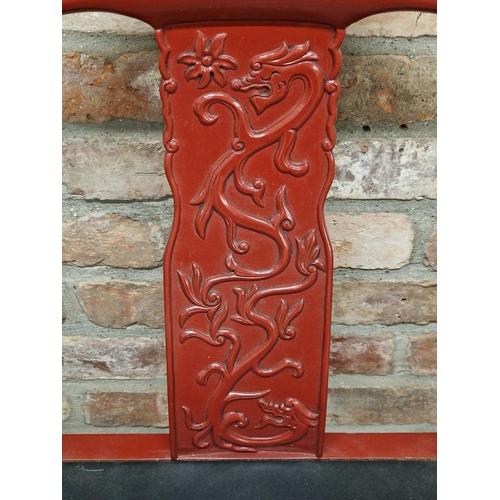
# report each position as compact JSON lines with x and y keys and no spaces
{"x":167,"y":86}
{"x":332,"y":87}
{"x":269,"y":81}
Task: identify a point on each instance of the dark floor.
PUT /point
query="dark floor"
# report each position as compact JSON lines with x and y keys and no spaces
{"x":311,"y":480}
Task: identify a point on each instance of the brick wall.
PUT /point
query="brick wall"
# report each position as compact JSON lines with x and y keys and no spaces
{"x":381,"y":214}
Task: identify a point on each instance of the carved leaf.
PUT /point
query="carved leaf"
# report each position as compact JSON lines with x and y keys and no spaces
{"x":294,"y":311}
{"x":219,"y":318}
{"x":193,"y":71}
{"x":202,"y":218}
{"x":226,"y":62}
{"x":187,"y":288}
{"x":320,"y":264}
{"x":217,"y":45}
{"x":285,"y":315}
{"x":205,"y":79}
{"x":187,"y":59}
{"x":220,"y":77}
{"x":196,"y":279}
{"x":189,"y":311}
{"x":281,"y":314}
{"x":200,"y":43}
{"x":307,"y":254}
{"x":300,"y":262}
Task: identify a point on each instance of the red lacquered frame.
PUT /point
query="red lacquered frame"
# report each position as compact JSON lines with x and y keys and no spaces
{"x":245,"y":249}
{"x":337,"y":446}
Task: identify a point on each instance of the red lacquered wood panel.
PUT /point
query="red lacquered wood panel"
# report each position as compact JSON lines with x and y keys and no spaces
{"x":248,"y":267}
{"x":150,"y":447}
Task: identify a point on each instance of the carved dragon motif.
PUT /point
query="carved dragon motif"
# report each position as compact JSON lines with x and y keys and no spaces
{"x":269,"y":81}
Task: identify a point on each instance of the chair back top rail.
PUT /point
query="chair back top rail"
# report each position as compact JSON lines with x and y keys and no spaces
{"x":337,"y":13}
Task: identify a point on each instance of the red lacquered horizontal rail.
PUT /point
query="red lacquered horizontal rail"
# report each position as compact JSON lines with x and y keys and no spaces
{"x":338,"y":13}
{"x":338,"y":446}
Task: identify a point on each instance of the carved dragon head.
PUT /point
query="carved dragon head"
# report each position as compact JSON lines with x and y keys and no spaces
{"x":289,"y":413}
{"x":271,"y":74}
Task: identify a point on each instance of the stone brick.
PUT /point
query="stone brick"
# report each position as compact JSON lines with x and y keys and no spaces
{"x":370,"y":241}
{"x":112,"y":240}
{"x":95,"y":90}
{"x":384,"y":302}
{"x":382,"y":405}
{"x":66,"y":410}
{"x":422,"y":355}
{"x":118,"y":304}
{"x":361,"y":355}
{"x":371,"y":169}
{"x":393,"y":24}
{"x":430,"y":251}
{"x":388,"y":88}
{"x":129,"y":358}
{"x":115,"y":169}
{"x":105,"y":22}
{"x":111,"y":409}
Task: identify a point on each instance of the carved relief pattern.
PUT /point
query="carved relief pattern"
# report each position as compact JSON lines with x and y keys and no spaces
{"x":167,"y":86}
{"x":268,"y":83}
{"x":207,"y":60}
{"x":332,"y":87}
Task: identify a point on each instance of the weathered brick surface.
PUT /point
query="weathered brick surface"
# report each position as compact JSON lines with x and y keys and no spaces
{"x":393,"y":24}
{"x":112,"y":240}
{"x":361,"y":355}
{"x":66,"y":410}
{"x":110,"y":409}
{"x":118,"y":304}
{"x":430,"y":251}
{"x":373,"y":168}
{"x":374,"y":88}
{"x":388,"y":88}
{"x":115,"y":169}
{"x":130,"y":358}
{"x":422,"y":355}
{"x":95,"y":90}
{"x":370,"y":241}
{"x":105,"y":22}
{"x":382,"y":405}
{"x":369,"y":302}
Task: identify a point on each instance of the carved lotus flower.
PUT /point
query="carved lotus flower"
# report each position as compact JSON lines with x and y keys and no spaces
{"x":207,"y":60}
